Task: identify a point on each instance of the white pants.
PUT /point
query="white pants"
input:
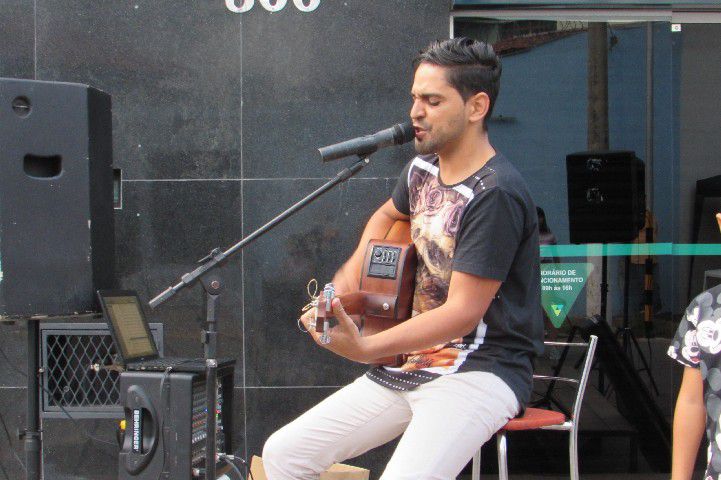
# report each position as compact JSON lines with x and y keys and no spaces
{"x":445,"y":422}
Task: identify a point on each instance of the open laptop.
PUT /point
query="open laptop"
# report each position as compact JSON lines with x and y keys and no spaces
{"x":134,"y":342}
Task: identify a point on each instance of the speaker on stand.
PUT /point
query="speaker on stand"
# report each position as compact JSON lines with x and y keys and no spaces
{"x":606,"y":198}
{"x":607,"y":204}
{"x":56,"y":214}
{"x":56,"y":197}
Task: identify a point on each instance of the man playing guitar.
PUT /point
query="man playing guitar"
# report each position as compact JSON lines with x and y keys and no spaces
{"x":476,"y":323}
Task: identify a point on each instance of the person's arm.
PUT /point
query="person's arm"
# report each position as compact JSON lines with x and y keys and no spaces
{"x":347,"y":278}
{"x":689,"y":422}
{"x":485,"y":248}
{"x":468,"y":299}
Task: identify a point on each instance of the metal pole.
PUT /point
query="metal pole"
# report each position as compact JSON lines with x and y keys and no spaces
{"x":597,"y":86}
{"x":32,"y":435}
{"x":212,"y":289}
{"x":597,"y":121}
{"x":649,"y":116}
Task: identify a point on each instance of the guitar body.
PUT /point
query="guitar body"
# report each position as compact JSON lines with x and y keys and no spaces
{"x":385,"y":295}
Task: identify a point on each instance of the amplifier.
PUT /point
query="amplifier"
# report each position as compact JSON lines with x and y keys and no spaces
{"x":165,"y":415}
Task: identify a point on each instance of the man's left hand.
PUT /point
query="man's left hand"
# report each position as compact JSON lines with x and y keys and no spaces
{"x":345,"y":339}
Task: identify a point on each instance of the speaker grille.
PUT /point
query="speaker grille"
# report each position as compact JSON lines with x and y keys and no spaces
{"x":68,"y":351}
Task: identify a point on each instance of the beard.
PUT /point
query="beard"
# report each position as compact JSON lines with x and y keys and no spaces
{"x":437,"y":138}
{"x":426,"y":147}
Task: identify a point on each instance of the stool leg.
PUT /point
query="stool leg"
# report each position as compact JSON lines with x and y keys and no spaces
{"x":502,"y":460}
{"x":633,"y":454}
{"x":476,"y":472}
{"x":573,"y":452}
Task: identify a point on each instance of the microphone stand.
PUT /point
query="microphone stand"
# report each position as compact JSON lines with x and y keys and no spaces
{"x":213,"y":286}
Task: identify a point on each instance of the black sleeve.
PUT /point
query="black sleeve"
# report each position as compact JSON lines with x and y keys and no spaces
{"x":489,"y":236}
{"x":400,"y":192}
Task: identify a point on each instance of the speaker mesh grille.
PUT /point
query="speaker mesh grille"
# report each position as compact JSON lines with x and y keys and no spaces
{"x":69,"y":351}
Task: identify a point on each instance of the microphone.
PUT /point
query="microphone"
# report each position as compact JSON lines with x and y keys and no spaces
{"x":396,"y":135}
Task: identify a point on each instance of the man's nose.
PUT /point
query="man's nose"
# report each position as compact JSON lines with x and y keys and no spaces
{"x":417,"y":110}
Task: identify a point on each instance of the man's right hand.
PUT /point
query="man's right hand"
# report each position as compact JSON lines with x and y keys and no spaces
{"x":309,"y":316}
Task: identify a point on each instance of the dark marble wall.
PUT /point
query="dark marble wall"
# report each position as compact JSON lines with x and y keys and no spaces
{"x":216,"y":117}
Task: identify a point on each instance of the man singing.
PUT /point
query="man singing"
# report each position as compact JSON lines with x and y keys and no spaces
{"x":476,"y":323}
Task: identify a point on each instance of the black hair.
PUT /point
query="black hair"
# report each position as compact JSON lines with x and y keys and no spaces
{"x":472,"y":66}
{"x":542,"y":224}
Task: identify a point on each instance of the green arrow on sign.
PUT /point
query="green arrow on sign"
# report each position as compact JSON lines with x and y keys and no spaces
{"x":560,"y":285}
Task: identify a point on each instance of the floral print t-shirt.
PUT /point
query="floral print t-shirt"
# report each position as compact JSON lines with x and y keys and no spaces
{"x":486,"y":226}
{"x":697,"y":344}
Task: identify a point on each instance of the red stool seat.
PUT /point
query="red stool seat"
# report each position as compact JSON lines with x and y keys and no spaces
{"x":535,"y":418}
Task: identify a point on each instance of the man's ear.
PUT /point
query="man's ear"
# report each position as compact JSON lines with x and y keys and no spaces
{"x":718,"y":220}
{"x":478,"y":106}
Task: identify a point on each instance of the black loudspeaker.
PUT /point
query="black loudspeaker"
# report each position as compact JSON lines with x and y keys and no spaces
{"x":606,"y":196}
{"x":56,"y":197}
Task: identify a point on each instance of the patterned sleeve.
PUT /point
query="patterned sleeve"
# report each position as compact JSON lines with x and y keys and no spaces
{"x":684,"y":347}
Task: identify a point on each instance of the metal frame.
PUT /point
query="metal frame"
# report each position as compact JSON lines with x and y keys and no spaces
{"x":570,"y":425}
{"x":616,"y":13}
{"x":48,"y":331}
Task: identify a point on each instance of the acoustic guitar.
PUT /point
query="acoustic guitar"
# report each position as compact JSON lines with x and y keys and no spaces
{"x":385,"y":294}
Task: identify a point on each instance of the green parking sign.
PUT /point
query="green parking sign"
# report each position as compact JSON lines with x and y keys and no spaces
{"x":560,"y":285}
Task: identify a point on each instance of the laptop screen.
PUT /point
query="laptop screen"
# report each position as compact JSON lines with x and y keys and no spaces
{"x":131,"y":330}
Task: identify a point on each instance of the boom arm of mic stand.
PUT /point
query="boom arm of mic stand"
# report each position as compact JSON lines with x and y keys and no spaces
{"x":217,"y":256}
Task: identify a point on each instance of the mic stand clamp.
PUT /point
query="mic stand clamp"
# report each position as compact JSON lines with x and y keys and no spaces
{"x":213,"y":286}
